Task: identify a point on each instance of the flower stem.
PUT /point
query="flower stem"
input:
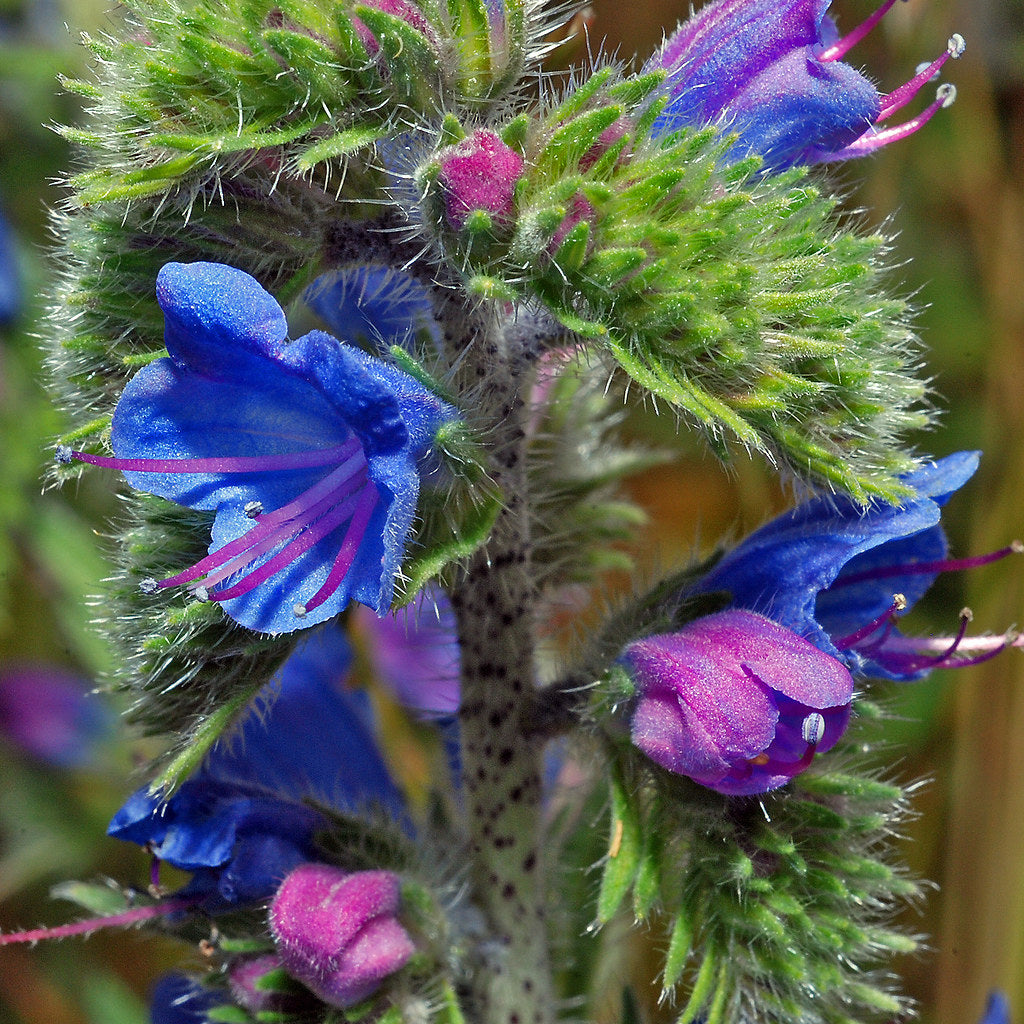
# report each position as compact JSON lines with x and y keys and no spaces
{"x":494,"y":603}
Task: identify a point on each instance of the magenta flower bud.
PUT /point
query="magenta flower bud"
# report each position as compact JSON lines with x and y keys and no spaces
{"x":480,"y":173}
{"x":735,"y":701}
{"x":338,"y":933}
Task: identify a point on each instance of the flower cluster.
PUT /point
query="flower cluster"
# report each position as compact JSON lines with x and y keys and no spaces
{"x":740,"y":701}
{"x":389,"y":502}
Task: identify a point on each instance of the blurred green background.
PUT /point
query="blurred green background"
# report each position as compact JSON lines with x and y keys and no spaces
{"x":954,"y":196}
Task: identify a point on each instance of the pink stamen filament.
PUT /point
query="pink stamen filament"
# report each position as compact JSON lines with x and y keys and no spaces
{"x":910,"y":654}
{"x":129,"y":917}
{"x":872,"y":140}
{"x":309,"y":459}
{"x":927,"y":568}
{"x":293,"y":549}
{"x":348,"y":550}
{"x":899,"y":602}
{"x":842,"y":46}
{"x":905,"y":93}
{"x":268,"y":525}
{"x":267,"y":542}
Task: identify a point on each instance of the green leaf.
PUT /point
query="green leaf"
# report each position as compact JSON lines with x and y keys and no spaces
{"x":341,"y":144}
{"x":623,"y":859}
{"x":101,"y":900}
{"x":205,"y":735}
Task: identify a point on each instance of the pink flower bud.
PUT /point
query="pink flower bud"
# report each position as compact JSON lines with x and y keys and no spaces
{"x":480,"y":173}
{"x":337,"y":932}
{"x":735,"y":701}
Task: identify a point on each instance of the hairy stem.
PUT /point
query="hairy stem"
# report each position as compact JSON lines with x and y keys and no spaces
{"x":494,"y":605}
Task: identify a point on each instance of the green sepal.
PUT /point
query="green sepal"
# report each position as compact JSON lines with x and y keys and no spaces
{"x":450,"y":530}
{"x":101,"y":900}
{"x":680,"y":944}
{"x":202,"y":739}
{"x":226,"y":1014}
{"x":412,"y":61}
{"x":623,"y":860}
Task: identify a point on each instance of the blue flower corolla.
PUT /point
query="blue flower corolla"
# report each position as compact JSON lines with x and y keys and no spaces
{"x":837,"y":574}
{"x":179,"y":999}
{"x":309,"y":451}
{"x":376,"y":305}
{"x":735,"y":701}
{"x":10,"y":278}
{"x":997,"y":1010}
{"x":244,"y":819}
{"x":771,"y":71}
{"x":414,"y":653}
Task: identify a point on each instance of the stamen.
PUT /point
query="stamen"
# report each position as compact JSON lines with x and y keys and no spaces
{"x":308,"y":459}
{"x":267,"y":541}
{"x":813,"y":729}
{"x":300,"y":545}
{"x":842,"y":46}
{"x":267,"y":525}
{"x":905,"y":93}
{"x":928,"y":568}
{"x":871,"y":140}
{"x":253,"y":509}
{"x":899,"y":602}
{"x":347,"y":552}
{"x":135,"y":916}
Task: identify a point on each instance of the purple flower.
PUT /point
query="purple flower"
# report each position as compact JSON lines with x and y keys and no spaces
{"x":243,"y":821}
{"x":414,"y":653}
{"x":771,"y":71}
{"x":49,"y":713}
{"x":310,"y":452}
{"x":339,"y":933}
{"x":735,"y":701}
{"x":480,"y":173}
{"x":837,"y":574}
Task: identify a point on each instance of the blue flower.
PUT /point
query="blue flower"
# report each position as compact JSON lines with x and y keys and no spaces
{"x":310,"y":452}
{"x":375,"y":305}
{"x":837,"y":574}
{"x":998,"y":1009}
{"x":179,"y":999}
{"x":771,"y":71}
{"x":10,"y":279}
{"x":50,"y":714}
{"x":244,"y":820}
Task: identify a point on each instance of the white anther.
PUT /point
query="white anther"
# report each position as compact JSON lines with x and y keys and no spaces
{"x":253,"y":509}
{"x":813,"y":729}
{"x":201,"y":594}
{"x":899,"y":602}
{"x":149,"y":585}
{"x":63,"y":455}
{"x":956,"y":46}
{"x":299,"y":611}
{"x":946,"y":93}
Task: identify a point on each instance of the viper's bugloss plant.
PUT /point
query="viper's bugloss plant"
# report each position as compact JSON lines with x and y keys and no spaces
{"x":359,"y":300}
